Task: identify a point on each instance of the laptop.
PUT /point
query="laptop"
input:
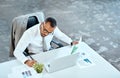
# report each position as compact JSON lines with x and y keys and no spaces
{"x":61,"y":63}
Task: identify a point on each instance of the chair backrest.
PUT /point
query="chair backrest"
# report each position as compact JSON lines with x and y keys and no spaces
{"x":20,"y":24}
{"x":32,"y":20}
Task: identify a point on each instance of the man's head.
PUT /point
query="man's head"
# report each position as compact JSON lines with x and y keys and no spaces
{"x":48,"y":26}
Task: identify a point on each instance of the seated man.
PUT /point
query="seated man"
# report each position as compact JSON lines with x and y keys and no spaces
{"x":37,"y":39}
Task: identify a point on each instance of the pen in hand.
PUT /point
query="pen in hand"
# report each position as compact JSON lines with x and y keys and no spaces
{"x":31,"y":57}
{"x":28,"y":54}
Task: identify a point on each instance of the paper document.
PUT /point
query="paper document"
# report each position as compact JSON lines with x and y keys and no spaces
{"x":75,"y":47}
{"x":85,"y":61}
{"x":23,"y":71}
{"x":80,"y":40}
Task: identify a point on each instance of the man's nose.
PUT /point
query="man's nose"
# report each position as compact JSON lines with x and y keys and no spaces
{"x":45,"y":34}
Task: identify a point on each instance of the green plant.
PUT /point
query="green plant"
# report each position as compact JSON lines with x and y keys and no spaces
{"x":38,"y":67}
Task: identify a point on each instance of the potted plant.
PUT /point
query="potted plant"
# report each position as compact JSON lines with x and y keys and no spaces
{"x":39,"y":68}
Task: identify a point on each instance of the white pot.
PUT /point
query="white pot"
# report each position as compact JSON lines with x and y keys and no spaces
{"x":40,"y":75}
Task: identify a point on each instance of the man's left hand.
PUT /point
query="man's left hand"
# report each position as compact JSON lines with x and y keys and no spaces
{"x":74,"y":42}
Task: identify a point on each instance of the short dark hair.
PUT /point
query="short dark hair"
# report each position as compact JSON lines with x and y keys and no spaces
{"x":52,"y":21}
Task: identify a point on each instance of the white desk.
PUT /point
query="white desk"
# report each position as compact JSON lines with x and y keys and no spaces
{"x":101,"y":69}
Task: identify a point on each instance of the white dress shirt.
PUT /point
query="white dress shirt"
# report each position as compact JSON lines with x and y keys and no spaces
{"x":32,"y":40}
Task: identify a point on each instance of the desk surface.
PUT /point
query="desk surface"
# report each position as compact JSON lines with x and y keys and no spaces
{"x":101,"y":69}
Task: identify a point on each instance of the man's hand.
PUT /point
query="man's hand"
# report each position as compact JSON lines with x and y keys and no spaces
{"x":30,"y":63}
{"x":74,"y":42}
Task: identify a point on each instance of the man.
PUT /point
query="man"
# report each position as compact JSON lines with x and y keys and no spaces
{"x":37,"y":39}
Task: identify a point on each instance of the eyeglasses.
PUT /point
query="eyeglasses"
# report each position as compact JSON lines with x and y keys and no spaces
{"x":45,"y":30}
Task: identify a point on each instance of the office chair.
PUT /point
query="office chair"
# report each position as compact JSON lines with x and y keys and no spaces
{"x":22,"y":23}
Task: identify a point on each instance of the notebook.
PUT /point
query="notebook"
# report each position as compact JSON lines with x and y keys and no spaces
{"x":61,"y":63}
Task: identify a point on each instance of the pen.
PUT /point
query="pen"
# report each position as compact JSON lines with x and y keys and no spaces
{"x":31,"y":57}
{"x":28,"y":54}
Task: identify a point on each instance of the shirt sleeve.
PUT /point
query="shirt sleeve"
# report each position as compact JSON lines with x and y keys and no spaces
{"x":21,"y":46}
{"x":60,"y":35}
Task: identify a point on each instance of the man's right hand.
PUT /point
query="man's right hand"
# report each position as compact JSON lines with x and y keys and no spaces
{"x":30,"y":63}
